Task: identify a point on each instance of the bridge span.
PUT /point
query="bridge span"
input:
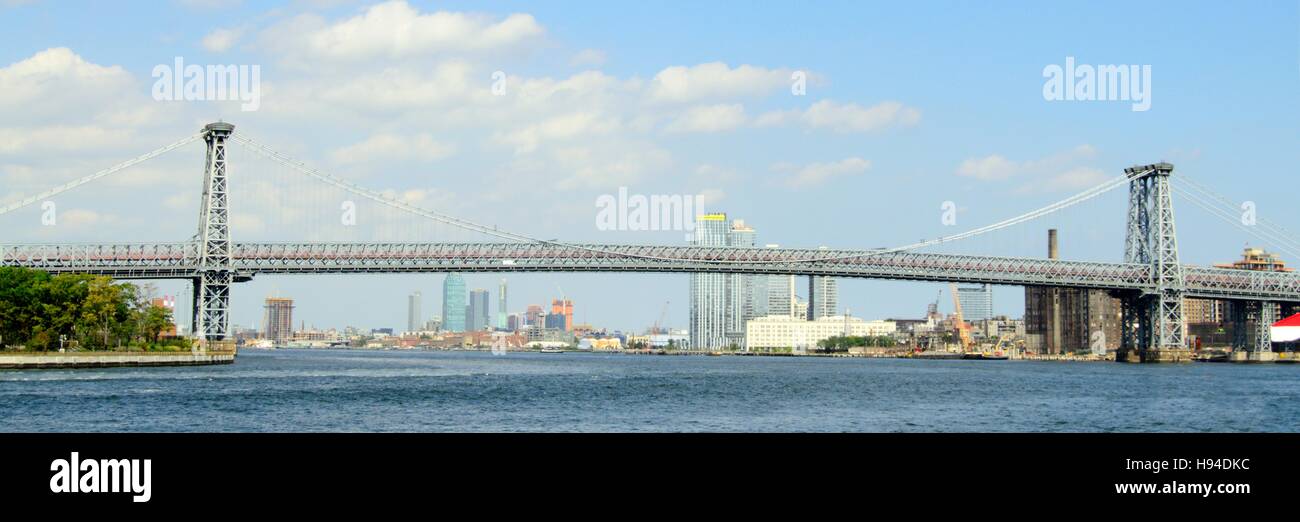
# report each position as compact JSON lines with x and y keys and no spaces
{"x":1150,"y":282}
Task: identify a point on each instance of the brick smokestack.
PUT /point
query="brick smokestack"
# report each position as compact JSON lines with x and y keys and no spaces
{"x":1053,"y":251}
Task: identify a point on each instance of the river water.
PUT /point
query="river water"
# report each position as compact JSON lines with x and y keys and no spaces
{"x":343,"y":390}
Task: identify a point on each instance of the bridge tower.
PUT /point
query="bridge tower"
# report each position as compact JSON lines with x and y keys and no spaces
{"x":1153,"y":322}
{"x":212,"y":286}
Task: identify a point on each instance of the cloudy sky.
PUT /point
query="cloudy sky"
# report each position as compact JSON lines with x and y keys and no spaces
{"x":522,"y":114}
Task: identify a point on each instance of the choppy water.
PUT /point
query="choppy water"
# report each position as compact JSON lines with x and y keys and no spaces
{"x":339,"y":390}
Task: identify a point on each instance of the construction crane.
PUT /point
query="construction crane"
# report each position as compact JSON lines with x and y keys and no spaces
{"x":963,"y":329}
{"x":662,"y":317}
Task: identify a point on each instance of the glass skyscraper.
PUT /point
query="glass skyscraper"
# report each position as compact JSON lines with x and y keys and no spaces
{"x":721,"y":303}
{"x":479,"y":314}
{"x":709,"y":291}
{"x":453,"y":303}
{"x":823,"y":297}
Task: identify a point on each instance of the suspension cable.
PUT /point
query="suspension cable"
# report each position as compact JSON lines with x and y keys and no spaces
{"x":116,"y":168}
{"x":274,"y":155}
{"x":1232,"y":218}
{"x":1281,"y":233}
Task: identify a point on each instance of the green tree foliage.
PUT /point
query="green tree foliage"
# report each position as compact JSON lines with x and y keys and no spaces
{"x":37,"y":309}
{"x":843,"y":343}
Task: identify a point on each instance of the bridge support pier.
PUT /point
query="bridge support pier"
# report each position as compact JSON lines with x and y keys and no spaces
{"x":1253,"y":341}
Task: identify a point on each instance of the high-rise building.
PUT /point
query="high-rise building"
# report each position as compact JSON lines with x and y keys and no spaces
{"x":976,"y":302}
{"x":414,"y":316}
{"x":501,"y":306}
{"x":453,"y":303}
{"x":478,"y":316}
{"x":278,"y":319}
{"x":779,"y":296}
{"x":533,"y":316}
{"x":823,"y":297}
{"x":709,"y":291}
{"x":563,"y":307}
{"x":741,"y":305}
{"x":556,"y":321}
{"x":722,"y":303}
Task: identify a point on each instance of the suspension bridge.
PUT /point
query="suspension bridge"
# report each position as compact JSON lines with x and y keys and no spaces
{"x":1151,"y":283}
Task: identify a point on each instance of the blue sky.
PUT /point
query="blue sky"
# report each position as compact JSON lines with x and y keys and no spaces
{"x":587,"y":112}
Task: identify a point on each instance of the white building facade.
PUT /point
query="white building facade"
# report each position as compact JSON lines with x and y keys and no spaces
{"x":776,"y":331}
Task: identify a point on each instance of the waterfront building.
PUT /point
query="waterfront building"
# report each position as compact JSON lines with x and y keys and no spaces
{"x":778,"y":332}
{"x":278,"y":319}
{"x":453,"y":303}
{"x":1064,"y":320}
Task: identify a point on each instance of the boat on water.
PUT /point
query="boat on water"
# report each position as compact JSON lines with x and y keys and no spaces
{"x":552,"y":350}
{"x":937,"y":355}
{"x":982,"y":356}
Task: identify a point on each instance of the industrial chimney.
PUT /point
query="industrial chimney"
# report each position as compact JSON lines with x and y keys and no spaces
{"x":1053,"y":251}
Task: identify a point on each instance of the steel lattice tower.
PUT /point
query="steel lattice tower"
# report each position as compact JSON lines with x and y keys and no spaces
{"x":212,"y":287}
{"x":1153,"y":319}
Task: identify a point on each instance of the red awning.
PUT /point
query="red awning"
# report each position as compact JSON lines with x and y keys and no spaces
{"x":1290,"y":321}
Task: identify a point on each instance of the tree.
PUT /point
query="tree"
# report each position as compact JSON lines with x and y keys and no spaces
{"x":154,"y":320}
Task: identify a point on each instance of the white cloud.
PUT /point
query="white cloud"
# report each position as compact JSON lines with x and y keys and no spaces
{"x":588,"y":58}
{"x":398,"y":30}
{"x":559,"y":128}
{"x":715,"y":80}
{"x":59,"y":85}
{"x":221,"y":40}
{"x":849,"y":117}
{"x":60,"y":139}
{"x":1058,"y":172}
{"x":393,"y":147}
{"x":818,"y":173}
{"x":993,"y":167}
{"x":1075,"y":179}
{"x":709,"y":118}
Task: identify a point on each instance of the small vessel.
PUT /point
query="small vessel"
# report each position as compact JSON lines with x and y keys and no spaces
{"x":552,"y":350}
{"x":985,"y":356}
{"x":937,"y":355}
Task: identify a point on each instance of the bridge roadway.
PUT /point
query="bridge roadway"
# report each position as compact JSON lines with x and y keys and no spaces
{"x":181,"y":261}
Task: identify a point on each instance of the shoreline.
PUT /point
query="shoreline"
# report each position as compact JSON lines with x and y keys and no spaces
{"x":55,"y":360}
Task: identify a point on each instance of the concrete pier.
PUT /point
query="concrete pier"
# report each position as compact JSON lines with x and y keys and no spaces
{"x":1167,"y":356}
{"x":47,"y":360}
{"x":1252,"y":357}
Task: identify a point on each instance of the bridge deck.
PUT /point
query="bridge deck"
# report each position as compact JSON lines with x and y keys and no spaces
{"x":180,"y":261}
